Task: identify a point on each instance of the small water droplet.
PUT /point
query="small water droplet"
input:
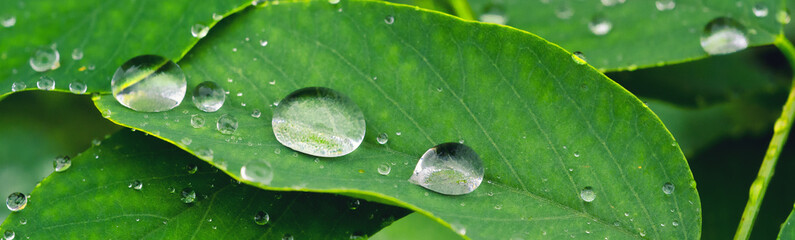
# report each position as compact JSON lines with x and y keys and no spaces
{"x":333,"y":1}
{"x":319,"y":122}
{"x":665,"y":5}
{"x":186,"y":141}
{"x":188,"y":196}
{"x":8,"y":21}
{"x":616,"y":223}
{"x":668,"y":188}
{"x":578,"y":58}
{"x":587,"y":194}
{"x":77,"y":87}
{"x":46,"y":83}
{"x":208,"y":96}
{"x":199,"y":30}
{"x":576,"y":154}
{"x":205,"y":153}
{"x":18,"y":86}
{"x":227,"y":124}
{"x":256,"y":113}
{"x":384,"y":169}
{"x":287,"y":236}
{"x":137,"y":185}
{"x":261,"y":218}
{"x":354,"y":204}
{"x":9,"y":235}
{"x":192,"y":168}
{"x":217,"y":17}
{"x":77,"y":54}
{"x":642,"y":234}
{"x":382,"y":138}
{"x":449,"y":168}
{"x":257,"y":171}
{"x":16,"y":201}
{"x":389,"y":19}
{"x":609,"y":3}
{"x":23,"y":221}
{"x":494,"y":13}
{"x":197,"y":121}
{"x":45,"y":59}
{"x":599,"y":25}
{"x":263,"y":43}
{"x":498,"y":206}
{"x":760,"y":10}
{"x":564,"y":11}
{"x":675,"y":223}
{"x":782,"y":16}
{"x":61,"y":163}
{"x":723,"y":36}
{"x":149,"y":83}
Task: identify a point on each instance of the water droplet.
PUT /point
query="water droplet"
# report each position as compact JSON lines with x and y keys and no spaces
{"x":609,"y":3}
{"x":668,"y":188}
{"x":8,"y":21}
{"x":576,"y":154}
{"x":723,"y":36}
{"x":642,"y":234}
{"x":384,"y":169}
{"x":205,"y":153}
{"x":199,"y":30}
{"x":675,"y":224}
{"x":186,"y":141}
{"x":599,"y":25}
{"x":587,"y":194}
{"x":78,"y":87}
{"x":208,"y":96}
{"x":564,"y":11}
{"x":664,"y":5}
{"x":578,"y":58}
{"x":494,"y":13}
{"x":197,"y":121}
{"x":498,"y":206}
{"x":354,"y":204}
{"x":18,"y":86}
{"x":227,"y":124}
{"x":760,"y":10}
{"x":188,"y":195}
{"x":192,"y":168}
{"x":23,"y":221}
{"x":616,"y":223}
{"x":257,"y":171}
{"x":149,"y":83}
{"x":318,"y":121}
{"x":287,"y":236}
{"x":333,"y":1}
{"x":782,"y":16}
{"x":77,"y":54}
{"x":217,"y":17}
{"x":46,"y":83}
{"x":449,"y":168}
{"x":137,"y":185}
{"x":61,"y":163}
{"x":261,"y":218}
{"x":382,"y":138}
{"x":458,"y":228}
{"x":9,"y":234}
{"x":389,"y":19}
{"x":16,"y":201}
{"x":256,"y":113}
{"x":44,"y":59}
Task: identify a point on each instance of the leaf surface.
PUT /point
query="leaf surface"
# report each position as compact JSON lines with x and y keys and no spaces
{"x":788,"y":228}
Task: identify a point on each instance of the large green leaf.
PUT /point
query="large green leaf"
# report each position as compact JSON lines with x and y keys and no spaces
{"x":415,"y":226}
{"x":107,"y":32}
{"x":93,"y":199}
{"x":787,"y":228}
{"x":641,"y":35}
{"x":544,"y":126}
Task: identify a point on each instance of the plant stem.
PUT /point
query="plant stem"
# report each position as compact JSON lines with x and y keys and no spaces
{"x":780,"y":132}
{"x":462,"y":9}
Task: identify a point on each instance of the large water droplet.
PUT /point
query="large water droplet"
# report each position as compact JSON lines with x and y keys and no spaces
{"x":137,"y":185}
{"x":9,"y":235}
{"x":61,"y":163}
{"x":45,"y":59}
{"x":319,"y":121}
{"x":77,"y":54}
{"x":197,"y":121}
{"x":261,"y":218}
{"x":46,"y":83}
{"x":723,"y":36}
{"x":16,"y":201}
{"x":8,"y":21}
{"x":257,"y":171}
{"x":382,"y":138}
{"x":449,"y":168}
{"x":18,"y":86}
{"x":760,"y":10}
{"x":664,"y":5}
{"x":227,"y":124}
{"x":384,"y":169}
{"x":599,"y":25}
{"x":782,"y":16}
{"x":668,"y":188}
{"x":78,"y":87}
{"x":187,"y":195}
{"x":199,"y":30}
{"x":149,"y":83}
{"x":208,"y":96}
{"x":587,"y":194}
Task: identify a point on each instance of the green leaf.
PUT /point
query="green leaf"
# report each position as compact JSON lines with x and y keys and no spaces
{"x":92,"y":197}
{"x":415,"y":226}
{"x":107,"y":32}
{"x":787,"y":228}
{"x":641,"y":35}
{"x":522,"y":103}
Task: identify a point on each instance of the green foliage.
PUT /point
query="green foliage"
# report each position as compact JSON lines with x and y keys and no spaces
{"x":787,"y":228}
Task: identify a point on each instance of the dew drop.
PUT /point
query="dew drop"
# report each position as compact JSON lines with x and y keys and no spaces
{"x":382,"y":138}
{"x":77,"y":54}
{"x":449,"y":168}
{"x":78,"y":87}
{"x":205,"y":153}
{"x":199,"y":30}
{"x":389,"y":19}
{"x":261,"y":218}
{"x":665,"y":5}
{"x":61,"y":163}
{"x":668,"y":188}
{"x":609,"y":3}
{"x":188,"y":195}
{"x":8,"y":21}
{"x":287,"y":236}
{"x":16,"y":201}
{"x":44,"y":59}
{"x":723,"y":36}
{"x":493,"y":13}
{"x":23,"y":221}
{"x":599,"y":25}
{"x":192,"y":168}
{"x":782,"y":16}
{"x":333,"y":1}
{"x":256,"y":113}
{"x":217,"y":17}
{"x":137,"y":185}
{"x":564,"y":11}
{"x":354,"y":204}
{"x":18,"y":86}
{"x":197,"y":121}
{"x":227,"y":124}
{"x":186,"y":141}
{"x":263,"y":43}
{"x":149,"y":83}
{"x":384,"y":169}
{"x":319,"y":122}
{"x":587,"y":194}
{"x":9,"y":234}
{"x":675,"y":223}
{"x":257,"y":171}
{"x":208,"y":96}
{"x":46,"y":83}
{"x":760,"y":10}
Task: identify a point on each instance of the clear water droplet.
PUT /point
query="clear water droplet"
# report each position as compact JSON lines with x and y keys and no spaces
{"x":319,"y":122}
{"x":61,"y":163}
{"x":389,"y":19}
{"x":137,"y":185}
{"x":16,"y":201}
{"x":578,"y":58}
{"x":261,"y":218}
{"x":78,"y":87}
{"x":564,"y":11}
{"x":205,"y":153}
{"x":188,"y":195}
{"x":199,"y":30}
{"x":333,"y":1}
{"x":23,"y":221}
{"x":256,"y":113}
{"x":609,"y":3}
{"x":186,"y":141}
{"x":257,"y":171}
{"x":77,"y":54}
{"x":384,"y":169}
{"x":217,"y":17}
{"x":9,"y":235}
{"x":45,"y":59}
{"x":449,"y":168}
{"x":760,"y":10}
{"x":599,"y":25}
{"x":46,"y":83}
{"x":668,"y":188}
{"x":665,"y":5}
{"x":192,"y":168}
{"x":494,"y":13}
{"x":723,"y":36}
{"x":287,"y":236}
{"x":208,"y":96}
{"x":227,"y":124}
{"x":149,"y":83}
{"x":354,"y":204}
{"x":675,"y":223}
{"x":587,"y":194}
{"x":8,"y":21}
{"x":782,"y":16}
{"x":197,"y":121}
{"x":382,"y":138}
{"x":18,"y":86}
